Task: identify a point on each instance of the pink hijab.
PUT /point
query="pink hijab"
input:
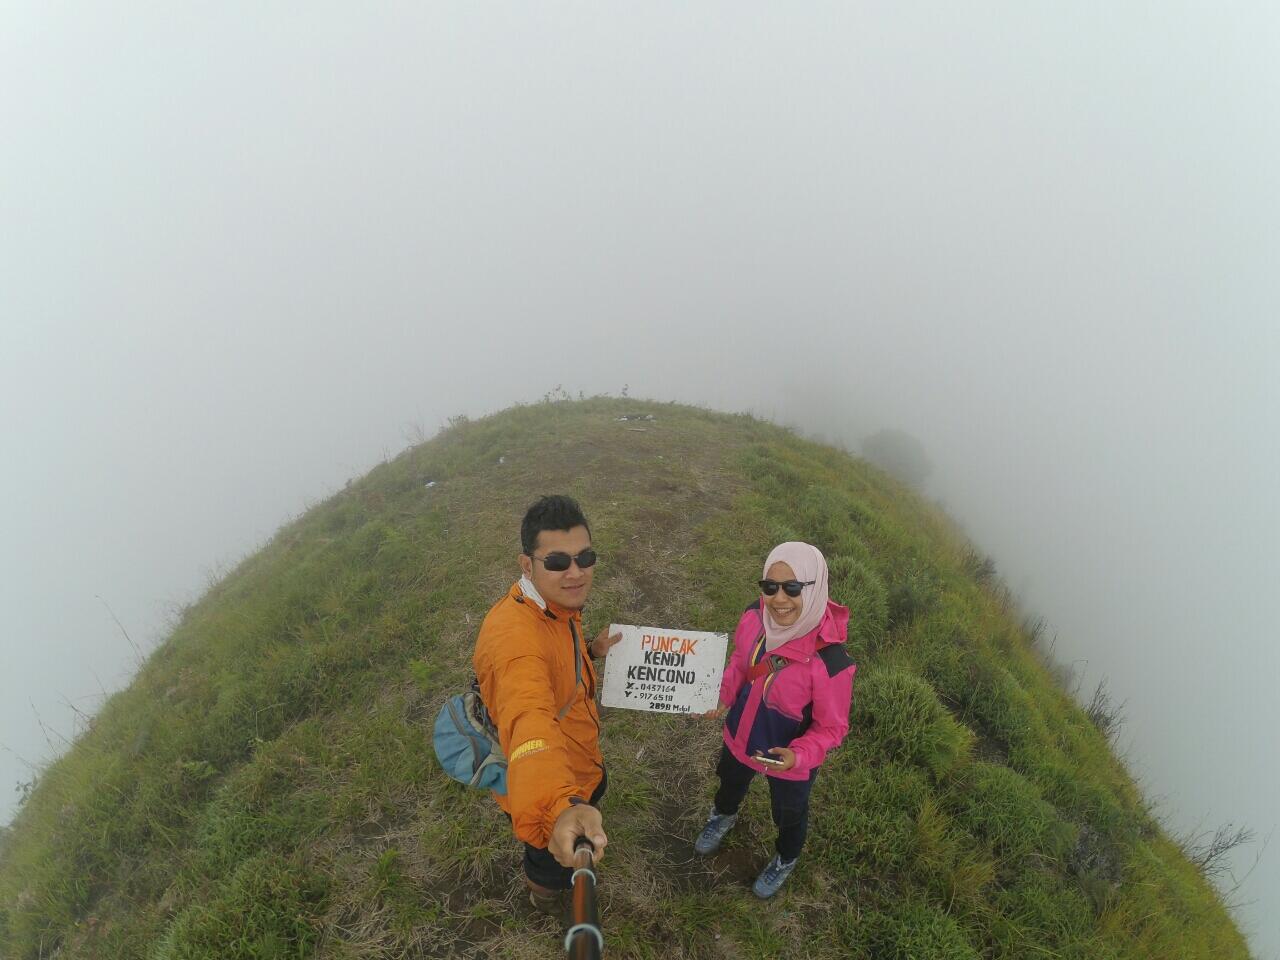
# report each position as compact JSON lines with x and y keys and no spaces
{"x":809,"y":564}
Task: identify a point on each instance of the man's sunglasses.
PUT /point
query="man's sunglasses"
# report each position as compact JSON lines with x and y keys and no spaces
{"x":559,"y":562}
{"x":791,"y":588}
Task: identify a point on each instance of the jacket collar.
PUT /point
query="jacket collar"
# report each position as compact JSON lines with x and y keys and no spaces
{"x":523,"y":591}
{"x":527,"y":588}
{"x":833,"y":628}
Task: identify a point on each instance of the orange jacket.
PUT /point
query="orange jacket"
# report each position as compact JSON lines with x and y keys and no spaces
{"x":543,"y":706}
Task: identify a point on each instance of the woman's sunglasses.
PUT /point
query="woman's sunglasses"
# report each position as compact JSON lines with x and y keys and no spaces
{"x":559,"y":562}
{"x":791,"y":588}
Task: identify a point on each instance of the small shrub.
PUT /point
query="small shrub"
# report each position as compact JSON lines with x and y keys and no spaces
{"x":24,"y":789}
{"x":1003,"y":711}
{"x":854,"y":585}
{"x":1091,"y":949}
{"x":1033,"y":627}
{"x":946,"y":864}
{"x":269,"y":907}
{"x":237,"y":825}
{"x":390,"y":886}
{"x":899,"y":716}
{"x":771,"y":475}
{"x":911,"y":595}
{"x":869,"y":819}
{"x":426,"y":674}
{"x":979,"y":566}
{"x":918,"y":931}
{"x":1005,"y":809}
{"x":900,"y":455}
{"x":822,"y":513}
{"x":1039,"y":910}
{"x":947,"y":658}
{"x":1104,"y":712}
{"x":1077,"y":797}
{"x":1095,"y":861}
{"x":1208,"y":852}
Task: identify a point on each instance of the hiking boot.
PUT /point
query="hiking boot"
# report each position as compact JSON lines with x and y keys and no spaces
{"x":717,"y":826}
{"x":551,"y":902}
{"x":773,"y":876}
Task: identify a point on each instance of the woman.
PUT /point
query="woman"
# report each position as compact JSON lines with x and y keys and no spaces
{"x":786,"y":693}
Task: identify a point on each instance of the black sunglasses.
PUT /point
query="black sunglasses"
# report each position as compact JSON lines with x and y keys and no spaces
{"x":559,"y":562}
{"x":792,"y":588}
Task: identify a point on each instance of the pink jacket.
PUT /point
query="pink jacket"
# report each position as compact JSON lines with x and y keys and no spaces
{"x":803,"y":703}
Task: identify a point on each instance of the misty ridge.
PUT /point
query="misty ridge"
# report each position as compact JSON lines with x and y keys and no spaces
{"x":903,"y":457}
{"x":265,"y":782}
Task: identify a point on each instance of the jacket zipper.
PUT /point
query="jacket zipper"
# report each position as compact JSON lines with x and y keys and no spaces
{"x":577,"y":664}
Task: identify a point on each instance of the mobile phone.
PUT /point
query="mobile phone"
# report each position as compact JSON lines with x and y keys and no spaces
{"x":771,"y":761}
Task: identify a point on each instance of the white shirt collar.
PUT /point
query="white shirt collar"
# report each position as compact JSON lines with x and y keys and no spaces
{"x":530,"y":591}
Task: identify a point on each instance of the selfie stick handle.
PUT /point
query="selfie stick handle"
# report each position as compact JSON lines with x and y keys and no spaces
{"x":584,"y":941}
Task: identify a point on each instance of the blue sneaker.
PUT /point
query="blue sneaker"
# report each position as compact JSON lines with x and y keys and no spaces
{"x":773,"y":876}
{"x":717,"y":826}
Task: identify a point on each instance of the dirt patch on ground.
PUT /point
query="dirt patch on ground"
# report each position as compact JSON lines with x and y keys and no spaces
{"x":989,"y":749}
{"x":672,"y":852}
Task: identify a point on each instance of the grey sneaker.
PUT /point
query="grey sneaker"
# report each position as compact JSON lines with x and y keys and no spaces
{"x":773,"y":876}
{"x":717,"y":826}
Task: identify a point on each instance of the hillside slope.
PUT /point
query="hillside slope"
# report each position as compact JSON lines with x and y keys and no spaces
{"x":265,"y":787}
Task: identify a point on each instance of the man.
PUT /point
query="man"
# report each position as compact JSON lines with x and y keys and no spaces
{"x":539,"y":685}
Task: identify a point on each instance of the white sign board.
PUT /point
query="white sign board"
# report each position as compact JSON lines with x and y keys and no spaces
{"x":668,"y":671}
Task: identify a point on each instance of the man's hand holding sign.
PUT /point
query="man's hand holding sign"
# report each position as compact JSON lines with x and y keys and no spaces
{"x":603,"y":642}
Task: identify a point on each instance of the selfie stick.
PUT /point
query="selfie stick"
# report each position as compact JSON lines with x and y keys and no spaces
{"x":584,"y":941}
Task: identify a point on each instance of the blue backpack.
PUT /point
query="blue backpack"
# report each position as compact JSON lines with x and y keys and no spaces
{"x":466,"y":743}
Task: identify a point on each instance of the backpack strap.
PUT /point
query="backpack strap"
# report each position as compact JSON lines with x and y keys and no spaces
{"x":479,"y":747}
{"x":487,"y":762}
{"x":763,"y":665}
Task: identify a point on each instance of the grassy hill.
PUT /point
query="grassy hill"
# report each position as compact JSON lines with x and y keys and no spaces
{"x":265,"y":787}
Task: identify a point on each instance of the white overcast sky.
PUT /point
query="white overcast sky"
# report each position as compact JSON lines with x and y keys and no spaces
{"x":245,"y":247}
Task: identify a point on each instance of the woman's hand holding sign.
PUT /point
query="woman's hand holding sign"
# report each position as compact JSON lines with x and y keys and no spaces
{"x":785,"y":759}
{"x":715,"y":714}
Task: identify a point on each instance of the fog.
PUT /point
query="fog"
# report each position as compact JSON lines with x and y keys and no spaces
{"x":246,"y":251}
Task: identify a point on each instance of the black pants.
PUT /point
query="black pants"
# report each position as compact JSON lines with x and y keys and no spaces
{"x":541,"y":867}
{"x":788,"y":801}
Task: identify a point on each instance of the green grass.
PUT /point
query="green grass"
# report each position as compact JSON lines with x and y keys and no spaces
{"x":265,"y":787}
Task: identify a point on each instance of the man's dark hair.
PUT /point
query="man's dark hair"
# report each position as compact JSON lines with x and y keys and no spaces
{"x":556,"y":512}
